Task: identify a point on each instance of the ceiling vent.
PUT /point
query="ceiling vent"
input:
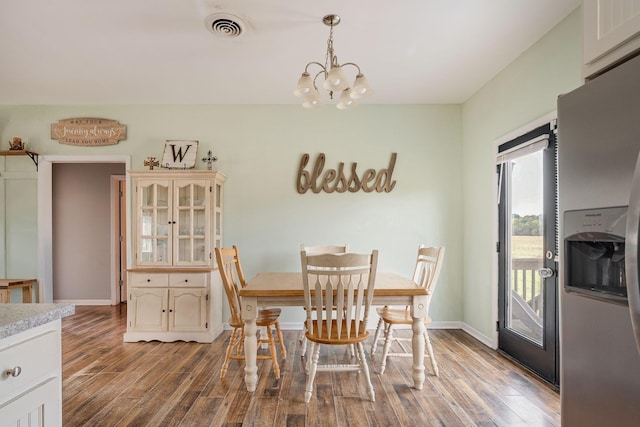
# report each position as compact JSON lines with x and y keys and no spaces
{"x":225,"y":25}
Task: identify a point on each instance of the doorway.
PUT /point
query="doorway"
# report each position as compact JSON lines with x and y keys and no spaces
{"x":47,"y":238}
{"x":528,"y":251}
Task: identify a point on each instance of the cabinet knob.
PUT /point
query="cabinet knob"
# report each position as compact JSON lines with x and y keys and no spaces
{"x":13,"y":372}
{"x":186,"y":280}
{"x":148,"y":280}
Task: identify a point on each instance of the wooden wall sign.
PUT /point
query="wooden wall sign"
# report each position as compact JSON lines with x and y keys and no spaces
{"x":88,"y":131}
{"x":336,"y":180}
{"x":179,"y":154}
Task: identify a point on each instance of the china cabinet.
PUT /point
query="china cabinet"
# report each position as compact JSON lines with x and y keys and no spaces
{"x":175,"y":291}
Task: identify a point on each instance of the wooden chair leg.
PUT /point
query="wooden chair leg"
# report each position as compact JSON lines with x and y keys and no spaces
{"x":388,"y":332}
{"x":313,"y":367}
{"x":303,"y":344}
{"x":274,"y":354}
{"x":232,"y":344}
{"x":376,"y":336}
{"x":365,"y":370}
{"x":281,"y":340}
{"x":434,"y":364}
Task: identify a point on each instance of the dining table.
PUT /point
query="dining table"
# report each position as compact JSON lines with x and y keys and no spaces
{"x":6,"y":285}
{"x":285,"y":289}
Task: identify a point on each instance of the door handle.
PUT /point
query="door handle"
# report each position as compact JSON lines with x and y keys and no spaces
{"x":546,"y":272}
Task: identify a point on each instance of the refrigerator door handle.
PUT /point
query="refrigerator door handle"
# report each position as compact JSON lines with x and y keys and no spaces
{"x":631,"y":254}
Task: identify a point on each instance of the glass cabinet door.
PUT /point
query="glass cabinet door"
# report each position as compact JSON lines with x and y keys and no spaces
{"x":191,"y":241}
{"x":154,"y":244}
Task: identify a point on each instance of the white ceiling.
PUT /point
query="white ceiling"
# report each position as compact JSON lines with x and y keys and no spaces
{"x":160,"y":52}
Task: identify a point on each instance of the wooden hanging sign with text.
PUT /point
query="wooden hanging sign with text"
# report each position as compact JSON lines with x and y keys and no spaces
{"x":88,"y":131}
{"x":339,"y":180}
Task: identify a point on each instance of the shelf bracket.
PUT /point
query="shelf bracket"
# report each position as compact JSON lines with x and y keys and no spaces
{"x":33,"y":156}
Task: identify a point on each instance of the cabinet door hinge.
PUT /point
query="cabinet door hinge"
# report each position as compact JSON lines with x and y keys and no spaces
{"x":207,"y":297}
{"x":210,"y":189}
{"x":497,"y":246}
{"x":497,"y":325}
{"x":206,"y":325}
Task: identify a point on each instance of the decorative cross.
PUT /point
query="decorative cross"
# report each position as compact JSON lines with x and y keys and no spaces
{"x":151,"y":162}
{"x":209,"y":159}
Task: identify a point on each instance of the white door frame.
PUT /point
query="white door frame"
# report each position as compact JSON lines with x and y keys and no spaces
{"x":116,"y":298}
{"x":45,"y":214}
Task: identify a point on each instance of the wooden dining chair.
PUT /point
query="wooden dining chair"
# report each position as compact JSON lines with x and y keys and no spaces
{"x":315,"y":250}
{"x":233,"y":279}
{"x":425,"y":274}
{"x":338,"y":290}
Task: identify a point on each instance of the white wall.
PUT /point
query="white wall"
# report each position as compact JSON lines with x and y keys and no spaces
{"x":523,"y":92}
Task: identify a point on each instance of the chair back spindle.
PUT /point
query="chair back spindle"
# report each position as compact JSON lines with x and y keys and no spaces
{"x":342,"y":285}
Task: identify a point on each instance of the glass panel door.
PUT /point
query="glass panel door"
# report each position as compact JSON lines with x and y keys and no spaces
{"x":191,"y":223}
{"x":527,"y":304}
{"x":525,"y":250}
{"x":154,"y":247}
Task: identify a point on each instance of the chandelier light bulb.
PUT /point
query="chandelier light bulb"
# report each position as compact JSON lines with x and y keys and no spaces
{"x":305,"y":85}
{"x":334,"y":77}
{"x":346,"y":100}
{"x":361,"y":88}
{"x":312,"y":99}
{"x":335,"y":81}
{"x":311,"y":103}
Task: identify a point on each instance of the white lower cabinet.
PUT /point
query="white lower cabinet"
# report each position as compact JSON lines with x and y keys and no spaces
{"x":30,"y":378}
{"x":173,"y":306}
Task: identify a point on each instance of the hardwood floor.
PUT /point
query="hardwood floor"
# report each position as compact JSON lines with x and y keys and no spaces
{"x":110,"y":383}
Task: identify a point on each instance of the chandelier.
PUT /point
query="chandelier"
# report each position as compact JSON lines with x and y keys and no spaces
{"x":334,"y":78}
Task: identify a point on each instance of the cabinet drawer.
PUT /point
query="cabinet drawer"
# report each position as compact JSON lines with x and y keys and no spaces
{"x":36,"y":358}
{"x":148,"y":279}
{"x":188,"y":280}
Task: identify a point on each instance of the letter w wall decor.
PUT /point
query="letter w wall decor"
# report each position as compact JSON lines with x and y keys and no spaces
{"x":179,"y":154}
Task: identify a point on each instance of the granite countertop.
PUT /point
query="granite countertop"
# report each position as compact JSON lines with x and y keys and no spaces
{"x":16,"y":318}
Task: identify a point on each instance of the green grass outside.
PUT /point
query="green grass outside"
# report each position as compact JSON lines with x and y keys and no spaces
{"x":527,"y":247}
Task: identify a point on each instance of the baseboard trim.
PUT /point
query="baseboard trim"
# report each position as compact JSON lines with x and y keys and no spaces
{"x":489,"y":342}
{"x":84,"y":301}
{"x":294,"y":326}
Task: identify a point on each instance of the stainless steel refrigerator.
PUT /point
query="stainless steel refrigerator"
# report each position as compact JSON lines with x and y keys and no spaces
{"x":599,"y":216}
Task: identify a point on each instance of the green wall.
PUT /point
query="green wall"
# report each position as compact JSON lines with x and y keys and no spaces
{"x":524,"y":91}
{"x":259,"y":149}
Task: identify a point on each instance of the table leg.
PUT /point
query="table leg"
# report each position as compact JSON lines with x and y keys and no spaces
{"x":26,"y":293}
{"x":417,"y":342}
{"x":249,"y":313}
{"x":418,"y":312}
